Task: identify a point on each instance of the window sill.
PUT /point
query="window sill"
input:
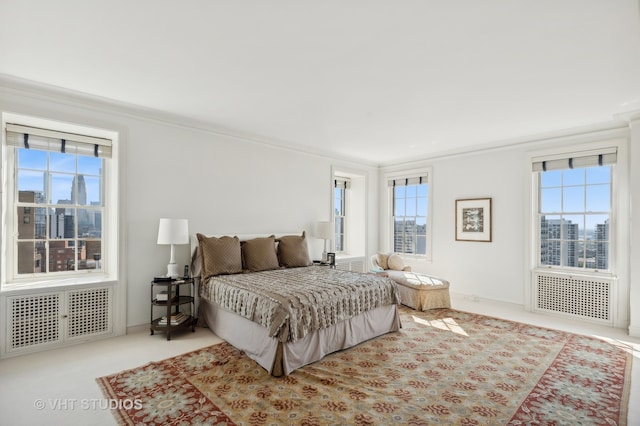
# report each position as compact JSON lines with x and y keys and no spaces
{"x":348,"y":256}
{"x":18,"y":287}
{"x":576,"y":272}
{"x":415,"y":257}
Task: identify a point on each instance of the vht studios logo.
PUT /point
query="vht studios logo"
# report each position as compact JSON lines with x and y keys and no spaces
{"x":70,"y":404}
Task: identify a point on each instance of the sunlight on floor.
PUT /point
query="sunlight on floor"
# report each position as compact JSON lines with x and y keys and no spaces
{"x":442,"y":324}
{"x":627,"y":346}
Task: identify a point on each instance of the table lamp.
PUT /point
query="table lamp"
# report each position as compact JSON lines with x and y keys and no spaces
{"x":173,"y":231}
{"x":324,"y":230}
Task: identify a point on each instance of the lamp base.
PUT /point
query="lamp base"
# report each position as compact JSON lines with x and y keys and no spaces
{"x":172,"y":270}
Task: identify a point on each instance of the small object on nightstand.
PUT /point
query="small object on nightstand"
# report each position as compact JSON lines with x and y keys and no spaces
{"x":331,"y":259}
{"x":176,"y":319}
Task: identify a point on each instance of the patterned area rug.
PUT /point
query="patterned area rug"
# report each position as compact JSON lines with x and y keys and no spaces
{"x":443,"y":367}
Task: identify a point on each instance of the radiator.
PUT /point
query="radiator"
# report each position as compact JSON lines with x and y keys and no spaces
{"x":350,"y":264}
{"x":40,"y":321}
{"x":574,"y":295}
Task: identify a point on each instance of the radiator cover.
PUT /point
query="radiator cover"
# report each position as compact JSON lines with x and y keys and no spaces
{"x":34,"y":320}
{"x":43,"y":320}
{"x":574,"y":295}
{"x":350,"y":264}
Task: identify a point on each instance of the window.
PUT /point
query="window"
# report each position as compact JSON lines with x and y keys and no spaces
{"x":56,"y":191}
{"x":340,"y":204}
{"x":410,"y":202}
{"x":574,"y":211}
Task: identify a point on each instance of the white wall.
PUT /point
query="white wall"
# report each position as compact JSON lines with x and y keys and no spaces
{"x":471,"y":267}
{"x":221,"y":184}
{"x":634,"y":234}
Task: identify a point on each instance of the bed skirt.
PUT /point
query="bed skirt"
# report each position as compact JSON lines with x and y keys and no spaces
{"x":282,"y":358}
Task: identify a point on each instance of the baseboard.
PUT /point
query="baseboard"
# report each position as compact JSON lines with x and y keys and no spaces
{"x":477,"y":299}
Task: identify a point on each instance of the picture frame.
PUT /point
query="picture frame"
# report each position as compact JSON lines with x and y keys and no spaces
{"x":331,"y":259}
{"x":473,"y":219}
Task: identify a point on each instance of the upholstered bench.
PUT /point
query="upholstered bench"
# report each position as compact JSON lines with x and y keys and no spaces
{"x":418,"y":291}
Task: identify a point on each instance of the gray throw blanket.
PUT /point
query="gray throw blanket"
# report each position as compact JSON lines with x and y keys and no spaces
{"x":292,"y":302}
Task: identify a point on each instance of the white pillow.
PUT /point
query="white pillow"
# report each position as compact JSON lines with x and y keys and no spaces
{"x":395,"y":262}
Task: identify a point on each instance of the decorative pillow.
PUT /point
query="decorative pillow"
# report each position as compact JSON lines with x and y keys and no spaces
{"x":293,"y":251}
{"x":220,"y":255}
{"x":259,"y":254}
{"x":395,"y":262}
{"x":383,"y":260}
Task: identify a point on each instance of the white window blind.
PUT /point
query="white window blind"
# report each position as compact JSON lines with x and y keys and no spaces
{"x":342,"y":183}
{"x":414,"y":180}
{"x":50,"y":140}
{"x":603,"y":157}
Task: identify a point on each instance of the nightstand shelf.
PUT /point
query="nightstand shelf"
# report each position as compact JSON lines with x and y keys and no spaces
{"x":176,"y":305}
{"x":181,"y":300}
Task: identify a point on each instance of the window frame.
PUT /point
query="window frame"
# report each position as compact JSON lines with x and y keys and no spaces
{"x":10,"y":279}
{"x":49,"y":206}
{"x":617,"y":227}
{"x":563,"y":213}
{"x":344,"y":200}
{"x":410,"y":174}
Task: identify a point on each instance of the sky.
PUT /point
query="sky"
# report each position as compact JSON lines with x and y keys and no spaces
{"x":33,"y":165}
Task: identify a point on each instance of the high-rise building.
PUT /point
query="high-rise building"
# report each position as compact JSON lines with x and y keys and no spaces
{"x":78,"y":182}
{"x":559,"y":242}
{"x":404,"y":232}
{"x":602,"y":245}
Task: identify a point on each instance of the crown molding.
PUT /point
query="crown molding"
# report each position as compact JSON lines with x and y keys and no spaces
{"x":629,"y":116}
{"x":605,"y":130}
{"x":72,"y":98}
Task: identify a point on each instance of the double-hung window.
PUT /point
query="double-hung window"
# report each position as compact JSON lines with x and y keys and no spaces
{"x":341,"y":186}
{"x":410,"y":205}
{"x":56,"y":194}
{"x":574,"y":210}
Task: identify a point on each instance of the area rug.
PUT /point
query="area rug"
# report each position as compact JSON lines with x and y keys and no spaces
{"x":443,"y":367}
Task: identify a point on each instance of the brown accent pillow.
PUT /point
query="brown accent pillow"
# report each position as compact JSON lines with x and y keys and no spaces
{"x":259,"y":254}
{"x":383,"y":260}
{"x":293,"y":251}
{"x":219,"y":255}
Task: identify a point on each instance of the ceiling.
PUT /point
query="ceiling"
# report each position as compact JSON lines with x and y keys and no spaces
{"x":373,"y":80}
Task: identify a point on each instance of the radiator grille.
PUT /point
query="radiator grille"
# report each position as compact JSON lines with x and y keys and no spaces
{"x":582,"y":297}
{"x":41,"y":321}
{"x":353,"y":264}
{"x":89,"y":312}
{"x":34,"y":320}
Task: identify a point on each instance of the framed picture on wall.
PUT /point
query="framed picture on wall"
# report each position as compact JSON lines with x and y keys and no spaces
{"x":473,"y":219}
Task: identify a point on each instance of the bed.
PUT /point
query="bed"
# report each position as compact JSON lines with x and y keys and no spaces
{"x":265,"y":297}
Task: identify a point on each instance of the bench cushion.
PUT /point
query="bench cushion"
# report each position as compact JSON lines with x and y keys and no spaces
{"x":420,"y":291}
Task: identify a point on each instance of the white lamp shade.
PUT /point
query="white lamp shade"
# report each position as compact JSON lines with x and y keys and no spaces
{"x":173,"y":231}
{"x":324,"y":230}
